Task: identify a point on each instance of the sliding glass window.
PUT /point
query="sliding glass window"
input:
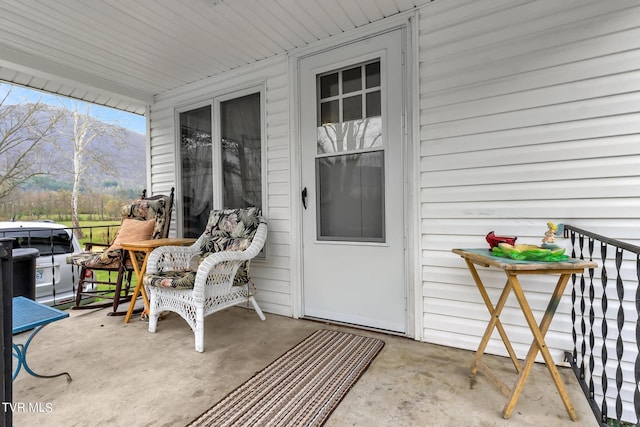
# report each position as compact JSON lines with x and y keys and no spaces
{"x":220,"y":158}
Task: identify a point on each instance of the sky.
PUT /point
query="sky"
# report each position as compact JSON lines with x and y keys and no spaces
{"x":21,"y":95}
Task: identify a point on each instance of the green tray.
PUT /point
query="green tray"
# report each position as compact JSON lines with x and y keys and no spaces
{"x":540,"y":254}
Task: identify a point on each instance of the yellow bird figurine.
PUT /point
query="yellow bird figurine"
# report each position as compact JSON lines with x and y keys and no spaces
{"x":550,"y":234}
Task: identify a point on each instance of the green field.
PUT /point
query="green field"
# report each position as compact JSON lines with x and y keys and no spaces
{"x":96,"y":231}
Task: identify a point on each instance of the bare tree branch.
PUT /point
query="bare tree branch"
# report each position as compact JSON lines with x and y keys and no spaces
{"x":23,"y":128}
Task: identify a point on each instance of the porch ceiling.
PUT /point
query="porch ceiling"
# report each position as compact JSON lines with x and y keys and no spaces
{"x":121,"y":54}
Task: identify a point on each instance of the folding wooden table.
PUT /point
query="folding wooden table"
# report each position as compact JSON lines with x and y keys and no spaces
{"x":512,"y":269}
{"x":146,"y":247}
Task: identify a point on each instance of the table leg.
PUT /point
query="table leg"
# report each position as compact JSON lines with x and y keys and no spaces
{"x":139,"y":289}
{"x":20,"y":352}
{"x":539,"y":344}
{"x":143,"y":291}
{"x":493,"y":323}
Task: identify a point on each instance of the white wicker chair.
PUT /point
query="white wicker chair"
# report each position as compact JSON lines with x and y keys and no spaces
{"x":213,"y":289}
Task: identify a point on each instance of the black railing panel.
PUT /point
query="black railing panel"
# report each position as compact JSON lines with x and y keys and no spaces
{"x":606,"y":326}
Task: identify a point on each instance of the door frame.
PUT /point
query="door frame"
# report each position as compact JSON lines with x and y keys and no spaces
{"x":406,"y":23}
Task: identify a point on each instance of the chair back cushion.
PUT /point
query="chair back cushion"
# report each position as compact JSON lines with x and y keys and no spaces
{"x":157,"y":210}
{"x":230,"y":229}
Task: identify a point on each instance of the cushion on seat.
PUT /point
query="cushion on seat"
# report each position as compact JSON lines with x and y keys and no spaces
{"x":95,"y":260}
{"x":171,"y":279}
{"x":80,"y":258}
{"x":109,"y":260}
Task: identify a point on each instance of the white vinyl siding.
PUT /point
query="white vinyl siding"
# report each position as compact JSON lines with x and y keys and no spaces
{"x":271,"y":276}
{"x":529,"y":112}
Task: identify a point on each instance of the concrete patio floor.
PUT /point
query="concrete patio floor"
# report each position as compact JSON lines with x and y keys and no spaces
{"x":125,"y":376}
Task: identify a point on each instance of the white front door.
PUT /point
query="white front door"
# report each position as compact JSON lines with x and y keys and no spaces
{"x":352,"y":189}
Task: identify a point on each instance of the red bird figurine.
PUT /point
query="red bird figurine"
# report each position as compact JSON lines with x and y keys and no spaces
{"x":493,"y":240}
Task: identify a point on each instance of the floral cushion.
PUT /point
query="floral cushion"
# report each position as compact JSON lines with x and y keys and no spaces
{"x":171,"y":279}
{"x":230,"y":229}
{"x":111,"y":261}
{"x":146,"y":210}
{"x":226,"y":230}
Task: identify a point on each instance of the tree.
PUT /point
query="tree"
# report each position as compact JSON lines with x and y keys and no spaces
{"x":23,"y":128}
{"x":85,"y":131}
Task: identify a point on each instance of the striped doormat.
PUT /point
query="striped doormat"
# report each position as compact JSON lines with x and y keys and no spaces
{"x":301,"y":388}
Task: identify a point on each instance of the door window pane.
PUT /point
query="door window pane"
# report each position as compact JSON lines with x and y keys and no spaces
{"x":352,"y":108}
{"x":350,"y":197}
{"x":351,"y":135}
{"x":374,"y":106}
{"x":329,"y":85}
{"x":373,"y":74}
{"x":352,"y":80}
{"x":197,"y":178}
{"x":329,"y":112}
{"x":241,"y":131}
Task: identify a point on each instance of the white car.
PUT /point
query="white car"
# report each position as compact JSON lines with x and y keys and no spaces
{"x":55,"y":242}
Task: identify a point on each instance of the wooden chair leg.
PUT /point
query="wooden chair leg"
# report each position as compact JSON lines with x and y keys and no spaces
{"x":81,"y":280}
{"x":118,"y":291}
{"x":127,"y":289}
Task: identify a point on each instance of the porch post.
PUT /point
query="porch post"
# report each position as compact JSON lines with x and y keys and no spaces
{"x":6,"y":298}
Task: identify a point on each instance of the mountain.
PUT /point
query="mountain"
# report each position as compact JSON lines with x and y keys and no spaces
{"x":116,"y":157}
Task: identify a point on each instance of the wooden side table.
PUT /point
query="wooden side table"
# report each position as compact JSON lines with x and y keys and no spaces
{"x":146,"y":247}
{"x":512,"y":269}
